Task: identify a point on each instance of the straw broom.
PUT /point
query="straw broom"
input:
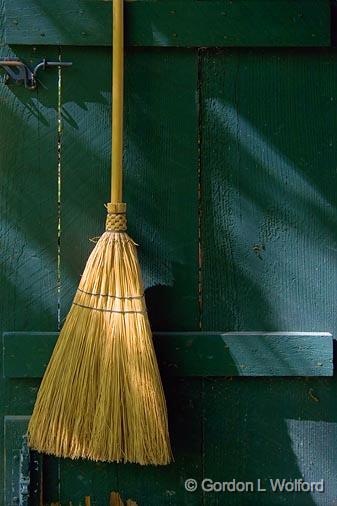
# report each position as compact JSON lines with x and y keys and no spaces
{"x":101,"y":397}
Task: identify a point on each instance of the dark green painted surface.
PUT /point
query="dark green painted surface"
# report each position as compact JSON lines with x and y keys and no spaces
{"x":160,"y":174}
{"x":22,"y":468}
{"x":333,"y":14}
{"x":193,"y":354}
{"x":266,"y":163}
{"x":269,"y":133}
{"x":26,"y":355}
{"x":267,"y":429}
{"x":170,"y":23}
{"x":85,"y":138}
{"x":28,"y":240}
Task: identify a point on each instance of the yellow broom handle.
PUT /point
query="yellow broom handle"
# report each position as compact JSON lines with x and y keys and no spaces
{"x":117,"y":100}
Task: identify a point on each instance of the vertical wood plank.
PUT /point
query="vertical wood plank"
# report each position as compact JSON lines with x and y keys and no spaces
{"x":269,"y":228}
{"x":166,"y":485}
{"x":84,"y":169}
{"x":268,"y":429}
{"x":28,"y":211}
{"x":160,"y":174}
{"x":269,"y":243}
{"x":84,"y":190}
{"x":28,"y":162}
{"x":161,"y":185}
{"x":161,"y":180}
{"x":161,"y":191}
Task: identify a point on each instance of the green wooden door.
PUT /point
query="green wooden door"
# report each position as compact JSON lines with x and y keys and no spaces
{"x":235,"y":148}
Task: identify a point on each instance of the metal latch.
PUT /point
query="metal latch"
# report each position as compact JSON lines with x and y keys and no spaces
{"x":19,"y":73}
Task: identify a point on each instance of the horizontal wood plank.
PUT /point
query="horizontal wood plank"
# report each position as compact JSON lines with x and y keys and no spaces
{"x":197,"y":354}
{"x":242,"y":23}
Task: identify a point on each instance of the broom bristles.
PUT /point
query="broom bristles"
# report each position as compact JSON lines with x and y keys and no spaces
{"x":101,"y":397}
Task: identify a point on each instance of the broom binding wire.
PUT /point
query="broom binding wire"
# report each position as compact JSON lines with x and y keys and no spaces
{"x":116,"y":217}
{"x":101,"y":397}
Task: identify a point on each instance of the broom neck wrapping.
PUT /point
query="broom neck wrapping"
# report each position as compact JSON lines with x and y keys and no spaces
{"x":117,"y":100}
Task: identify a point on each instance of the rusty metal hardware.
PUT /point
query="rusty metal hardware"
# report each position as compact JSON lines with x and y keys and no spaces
{"x":30,"y":465}
{"x":24,"y":477}
{"x":19,"y":73}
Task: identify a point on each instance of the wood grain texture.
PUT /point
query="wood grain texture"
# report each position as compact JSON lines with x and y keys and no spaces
{"x":198,"y":354}
{"x":333,"y":5}
{"x":15,"y":428}
{"x":269,"y":242}
{"x":160,"y":163}
{"x":170,"y":23}
{"x":28,"y":224}
{"x":245,"y":354}
{"x":267,"y":129}
{"x":84,"y":170}
{"x":161,"y":191}
{"x":165,"y":485}
{"x":161,"y":181}
{"x":269,"y":209}
{"x":160,"y":174}
{"x":84,"y":189}
{"x":265,"y":429}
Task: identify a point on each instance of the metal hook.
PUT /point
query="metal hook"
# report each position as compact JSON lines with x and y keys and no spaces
{"x":19,"y":73}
